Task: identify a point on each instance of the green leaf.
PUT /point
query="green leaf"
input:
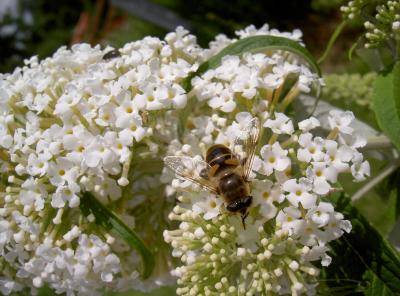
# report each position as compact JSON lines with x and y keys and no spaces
{"x":109,"y":221}
{"x":376,"y":287}
{"x":263,"y":43}
{"x":387,"y":103}
{"x":362,"y":257}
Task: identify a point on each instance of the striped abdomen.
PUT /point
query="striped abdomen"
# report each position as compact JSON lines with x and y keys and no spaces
{"x":220,"y":158}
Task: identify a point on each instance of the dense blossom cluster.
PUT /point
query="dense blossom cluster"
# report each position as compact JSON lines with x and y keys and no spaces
{"x":348,"y":89}
{"x":85,"y":120}
{"x":386,"y":23}
{"x":291,"y":221}
{"x":70,"y":124}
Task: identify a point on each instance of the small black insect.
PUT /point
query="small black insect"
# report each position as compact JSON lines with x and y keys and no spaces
{"x":112,"y":54}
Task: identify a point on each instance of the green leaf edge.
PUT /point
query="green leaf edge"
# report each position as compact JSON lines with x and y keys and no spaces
{"x":249,"y":44}
{"x":111,"y":222}
{"x":254,"y":44}
{"x":343,"y":204}
{"x":386,"y":103}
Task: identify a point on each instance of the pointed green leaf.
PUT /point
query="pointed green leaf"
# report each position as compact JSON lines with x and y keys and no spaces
{"x":109,"y":221}
{"x":253,"y":44}
{"x":362,"y":257}
{"x":387,"y":103}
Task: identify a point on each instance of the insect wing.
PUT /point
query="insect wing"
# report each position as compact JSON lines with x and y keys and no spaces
{"x":191,"y":169}
{"x":245,"y":145}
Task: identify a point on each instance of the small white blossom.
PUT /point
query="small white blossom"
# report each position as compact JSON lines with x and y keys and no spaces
{"x":274,"y":158}
{"x":280,"y":125}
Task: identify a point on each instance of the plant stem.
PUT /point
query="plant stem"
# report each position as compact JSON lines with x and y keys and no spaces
{"x":376,"y":180}
{"x":378,"y":142}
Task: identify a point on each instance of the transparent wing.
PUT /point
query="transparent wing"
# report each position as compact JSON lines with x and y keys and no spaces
{"x":245,"y":145}
{"x":191,"y":169}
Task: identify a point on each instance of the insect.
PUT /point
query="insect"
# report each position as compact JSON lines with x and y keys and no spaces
{"x":224,"y":172}
{"x":111,"y":54}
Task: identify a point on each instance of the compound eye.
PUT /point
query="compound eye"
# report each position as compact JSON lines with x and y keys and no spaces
{"x":233,"y":207}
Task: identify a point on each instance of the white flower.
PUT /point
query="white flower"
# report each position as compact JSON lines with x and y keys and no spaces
{"x":228,"y":68}
{"x":65,"y":194}
{"x":62,"y":171}
{"x":38,"y":164}
{"x":289,"y":219}
{"x":246,"y":82}
{"x":224,"y":101}
{"x":336,"y":227}
{"x":312,"y":148}
{"x":98,"y":152}
{"x":341,"y":120}
{"x":280,"y":125}
{"x":265,"y":193}
{"x":360,"y":171}
{"x":239,"y":128}
{"x":299,"y":192}
{"x":274,"y":159}
{"x":320,"y":174}
{"x":321,"y":214}
{"x":308,"y":124}
{"x":210,"y":207}
{"x":337,"y":157}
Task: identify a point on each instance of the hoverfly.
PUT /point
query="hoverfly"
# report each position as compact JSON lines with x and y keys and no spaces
{"x":224,"y":173}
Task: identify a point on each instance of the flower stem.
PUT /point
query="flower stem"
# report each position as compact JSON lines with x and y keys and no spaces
{"x":378,"y":142}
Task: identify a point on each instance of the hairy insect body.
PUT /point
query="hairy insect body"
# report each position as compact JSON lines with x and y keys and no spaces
{"x":223,"y":172}
{"x":228,"y":173}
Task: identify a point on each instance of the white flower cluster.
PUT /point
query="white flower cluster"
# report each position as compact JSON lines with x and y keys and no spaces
{"x":250,"y":77}
{"x":69,"y":124}
{"x":97,"y":120}
{"x":290,"y":222}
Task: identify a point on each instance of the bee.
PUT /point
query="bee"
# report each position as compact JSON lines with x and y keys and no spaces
{"x":111,"y":54}
{"x":224,"y":172}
